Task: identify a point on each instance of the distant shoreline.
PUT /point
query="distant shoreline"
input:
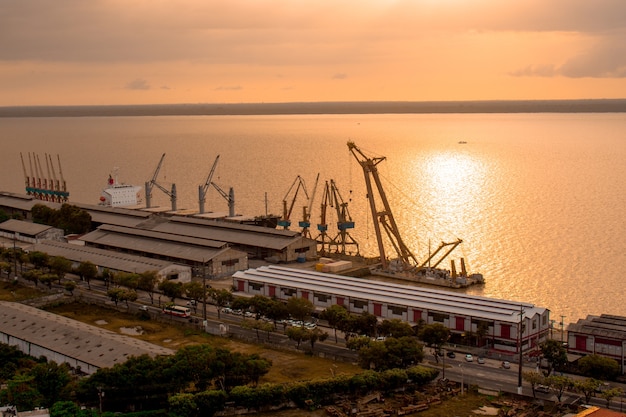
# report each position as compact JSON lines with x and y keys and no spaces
{"x":373,"y":107}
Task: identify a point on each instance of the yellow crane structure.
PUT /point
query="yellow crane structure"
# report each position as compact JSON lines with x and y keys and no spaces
{"x":426,"y":271}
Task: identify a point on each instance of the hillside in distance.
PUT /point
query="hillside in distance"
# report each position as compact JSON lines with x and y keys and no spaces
{"x":363,"y":107}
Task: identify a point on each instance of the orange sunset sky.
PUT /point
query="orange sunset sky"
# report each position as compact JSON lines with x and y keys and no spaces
{"x":74,"y":52}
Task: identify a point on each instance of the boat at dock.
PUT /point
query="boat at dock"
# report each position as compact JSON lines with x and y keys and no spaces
{"x":117,"y":194}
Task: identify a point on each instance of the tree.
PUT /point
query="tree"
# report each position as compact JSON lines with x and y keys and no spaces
{"x":435,"y":335}
{"x":534,"y":378}
{"x":70,"y":286}
{"x":298,"y":335}
{"x":316,"y":335}
{"x":587,"y":387}
{"x":115,"y":294}
{"x":395,"y":328}
{"x":299,"y":308}
{"x":38,"y":259}
{"x":559,"y":384}
{"x":171,"y":289}
{"x":334,"y":315}
{"x":609,"y":394}
{"x":87,"y":271}
{"x":147,"y":281}
{"x":555,"y":354}
{"x":221,"y":298}
{"x":598,"y":367}
{"x":22,"y":393}
{"x":277,"y":310}
{"x":60,"y":266}
{"x":195,"y":291}
{"x":52,"y":382}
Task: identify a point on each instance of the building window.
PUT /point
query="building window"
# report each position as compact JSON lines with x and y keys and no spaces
{"x":322,"y":298}
{"x":255,"y":286}
{"x":289,"y":292}
{"x":439,"y":317}
{"x":359,"y":303}
{"x":397,"y":311}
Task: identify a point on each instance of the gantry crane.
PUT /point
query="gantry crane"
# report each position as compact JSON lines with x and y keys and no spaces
{"x":305,"y":223}
{"x":203,"y":189}
{"x":296,"y":186}
{"x":344,"y":222}
{"x":153,"y":182}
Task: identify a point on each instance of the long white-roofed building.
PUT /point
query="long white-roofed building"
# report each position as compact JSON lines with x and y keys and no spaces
{"x":498,"y":320}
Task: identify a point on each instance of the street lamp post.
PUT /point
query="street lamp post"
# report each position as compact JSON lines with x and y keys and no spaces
{"x":519,"y":340}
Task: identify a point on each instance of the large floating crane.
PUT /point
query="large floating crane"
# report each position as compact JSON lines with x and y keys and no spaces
{"x":426,"y":271}
{"x":383,"y":219}
{"x":153,"y":182}
{"x":203,"y":189}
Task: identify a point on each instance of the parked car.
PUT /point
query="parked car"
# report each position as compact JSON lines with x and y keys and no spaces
{"x":542,"y":388}
{"x":480,"y":360}
{"x":451,"y":354}
{"x":506,"y":364}
{"x":469,"y":358}
{"x":144,"y":308}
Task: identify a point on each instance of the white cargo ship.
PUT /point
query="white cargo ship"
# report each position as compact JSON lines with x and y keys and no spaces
{"x":119,"y":194}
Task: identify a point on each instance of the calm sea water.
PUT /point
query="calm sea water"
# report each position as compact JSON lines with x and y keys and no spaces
{"x":538,"y":199}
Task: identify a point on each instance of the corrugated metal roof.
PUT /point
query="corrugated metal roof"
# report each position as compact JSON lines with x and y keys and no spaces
{"x":25,"y":228}
{"x":605,"y":325}
{"x":237,"y":234}
{"x":118,"y":261}
{"x":392,"y":294}
{"x":90,"y":344}
{"x":150,"y":245}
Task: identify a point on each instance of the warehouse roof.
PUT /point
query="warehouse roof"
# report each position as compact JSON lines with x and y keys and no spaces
{"x":238,"y":234}
{"x":90,"y":344}
{"x":391,"y":293}
{"x":605,"y":325}
{"x":118,"y":261}
{"x":161,"y":244}
{"x":24,"y":228}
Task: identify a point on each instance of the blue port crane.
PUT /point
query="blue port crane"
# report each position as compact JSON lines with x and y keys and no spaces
{"x":297,"y":185}
{"x":343,"y":239}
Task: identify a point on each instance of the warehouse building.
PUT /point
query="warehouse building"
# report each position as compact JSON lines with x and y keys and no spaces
{"x":603,"y":335}
{"x":114,"y":261}
{"x":207,"y":258}
{"x":62,"y":340}
{"x":463,"y":314}
{"x":28,"y":232}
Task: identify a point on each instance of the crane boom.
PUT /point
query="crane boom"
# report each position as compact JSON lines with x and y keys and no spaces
{"x":202,"y":189}
{"x":298,"y":183}
{"x":306,"y":211}
{"x":230,"y":198}
{"x":382,"y":217}
{"x":153,"y":182}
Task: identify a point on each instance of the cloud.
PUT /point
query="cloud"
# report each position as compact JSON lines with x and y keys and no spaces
{"x":340,"y":76}
{"x":228,"y":88}
{"x":138,"y":84}
{"x":605,"y":59}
